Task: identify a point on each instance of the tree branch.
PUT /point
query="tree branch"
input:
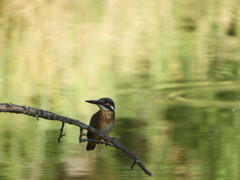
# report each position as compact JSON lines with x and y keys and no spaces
{"x":39,"y":113}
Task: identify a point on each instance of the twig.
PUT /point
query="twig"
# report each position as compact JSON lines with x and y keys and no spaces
{"x":12,"y":108}
{"x":134,"y":162}
{"x":61,"y":133}
{"x":81,"y":134}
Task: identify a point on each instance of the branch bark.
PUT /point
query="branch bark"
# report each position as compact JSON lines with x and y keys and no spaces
{"x":39,"y":113}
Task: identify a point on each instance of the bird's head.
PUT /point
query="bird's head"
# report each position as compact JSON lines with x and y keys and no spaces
{"x":106,"y":104}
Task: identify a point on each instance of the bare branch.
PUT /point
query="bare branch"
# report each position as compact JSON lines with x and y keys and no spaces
{"x":39,"y":113}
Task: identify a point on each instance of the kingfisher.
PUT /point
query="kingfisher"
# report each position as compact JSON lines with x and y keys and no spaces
{"x":103,"y":120}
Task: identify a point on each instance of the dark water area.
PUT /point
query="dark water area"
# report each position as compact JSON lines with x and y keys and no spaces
{"x":172,"y":69}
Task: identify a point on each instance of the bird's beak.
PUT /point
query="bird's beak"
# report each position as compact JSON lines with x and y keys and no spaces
{"x":93,"y":102}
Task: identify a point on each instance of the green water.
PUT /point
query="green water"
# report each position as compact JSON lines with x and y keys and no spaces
{"x":171,"y":67}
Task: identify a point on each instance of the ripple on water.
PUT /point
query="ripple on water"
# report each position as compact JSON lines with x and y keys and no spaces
{"x":208,"y":94}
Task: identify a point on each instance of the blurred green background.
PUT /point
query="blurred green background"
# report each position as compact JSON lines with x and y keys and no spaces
{"x":172,"y":68}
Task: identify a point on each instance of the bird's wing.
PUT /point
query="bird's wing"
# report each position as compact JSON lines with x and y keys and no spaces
{"x":93,"y":121}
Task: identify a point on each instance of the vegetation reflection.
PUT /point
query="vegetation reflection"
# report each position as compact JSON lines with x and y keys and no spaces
{"x":56,"y":54}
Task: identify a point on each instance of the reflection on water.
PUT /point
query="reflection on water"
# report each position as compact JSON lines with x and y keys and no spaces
{"x":171,"y":67}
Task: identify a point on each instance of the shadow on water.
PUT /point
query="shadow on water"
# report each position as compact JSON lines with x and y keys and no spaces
{"x":129,"y":132}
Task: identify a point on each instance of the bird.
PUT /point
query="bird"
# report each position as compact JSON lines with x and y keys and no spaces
{"x":103,"y":120}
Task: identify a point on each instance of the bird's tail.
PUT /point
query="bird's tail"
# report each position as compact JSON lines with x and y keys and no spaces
{"x":90,"y":146}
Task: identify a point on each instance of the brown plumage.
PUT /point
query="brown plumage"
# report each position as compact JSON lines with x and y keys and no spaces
{"x":103,"y":120}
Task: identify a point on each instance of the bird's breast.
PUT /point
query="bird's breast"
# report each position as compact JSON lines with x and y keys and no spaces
{"x":106,"y":128}
{"x":106,"y":121}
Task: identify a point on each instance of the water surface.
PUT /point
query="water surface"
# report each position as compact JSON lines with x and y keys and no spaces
{"x":172,"y":69}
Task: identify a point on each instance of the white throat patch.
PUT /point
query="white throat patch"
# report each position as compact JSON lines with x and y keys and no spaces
{"x":102,"y":107}
{"x":105,"y":109}
{"x":112,"y":108}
